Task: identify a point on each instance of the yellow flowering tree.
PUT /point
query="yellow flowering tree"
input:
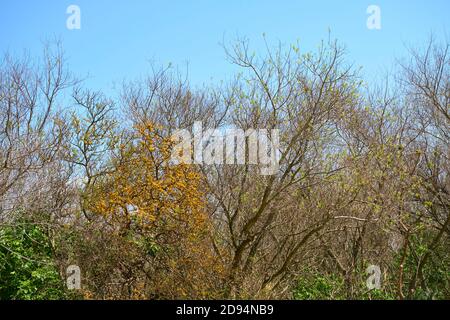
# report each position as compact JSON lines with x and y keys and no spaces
{"x":159,"y":207}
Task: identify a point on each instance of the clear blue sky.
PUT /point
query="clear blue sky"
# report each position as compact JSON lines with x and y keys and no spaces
{"x":119,"y":37}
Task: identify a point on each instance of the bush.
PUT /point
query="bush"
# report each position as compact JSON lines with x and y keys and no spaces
{"x":27,"y":270}
{"x":318,"y":287}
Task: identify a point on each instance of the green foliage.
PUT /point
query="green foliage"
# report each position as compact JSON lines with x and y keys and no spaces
{"x":27,"y":271}
{"x":318,"y":287}
{"x":435,"y":277}
{"x":379,"y":294}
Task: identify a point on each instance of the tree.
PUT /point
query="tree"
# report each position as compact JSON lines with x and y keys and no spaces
{"x":158,"y":210}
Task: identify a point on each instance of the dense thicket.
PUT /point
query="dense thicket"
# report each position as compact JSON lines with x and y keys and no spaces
{"x":363,"y":179}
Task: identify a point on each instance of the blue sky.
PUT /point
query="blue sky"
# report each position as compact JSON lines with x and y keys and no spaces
{"x":118,"y":38}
